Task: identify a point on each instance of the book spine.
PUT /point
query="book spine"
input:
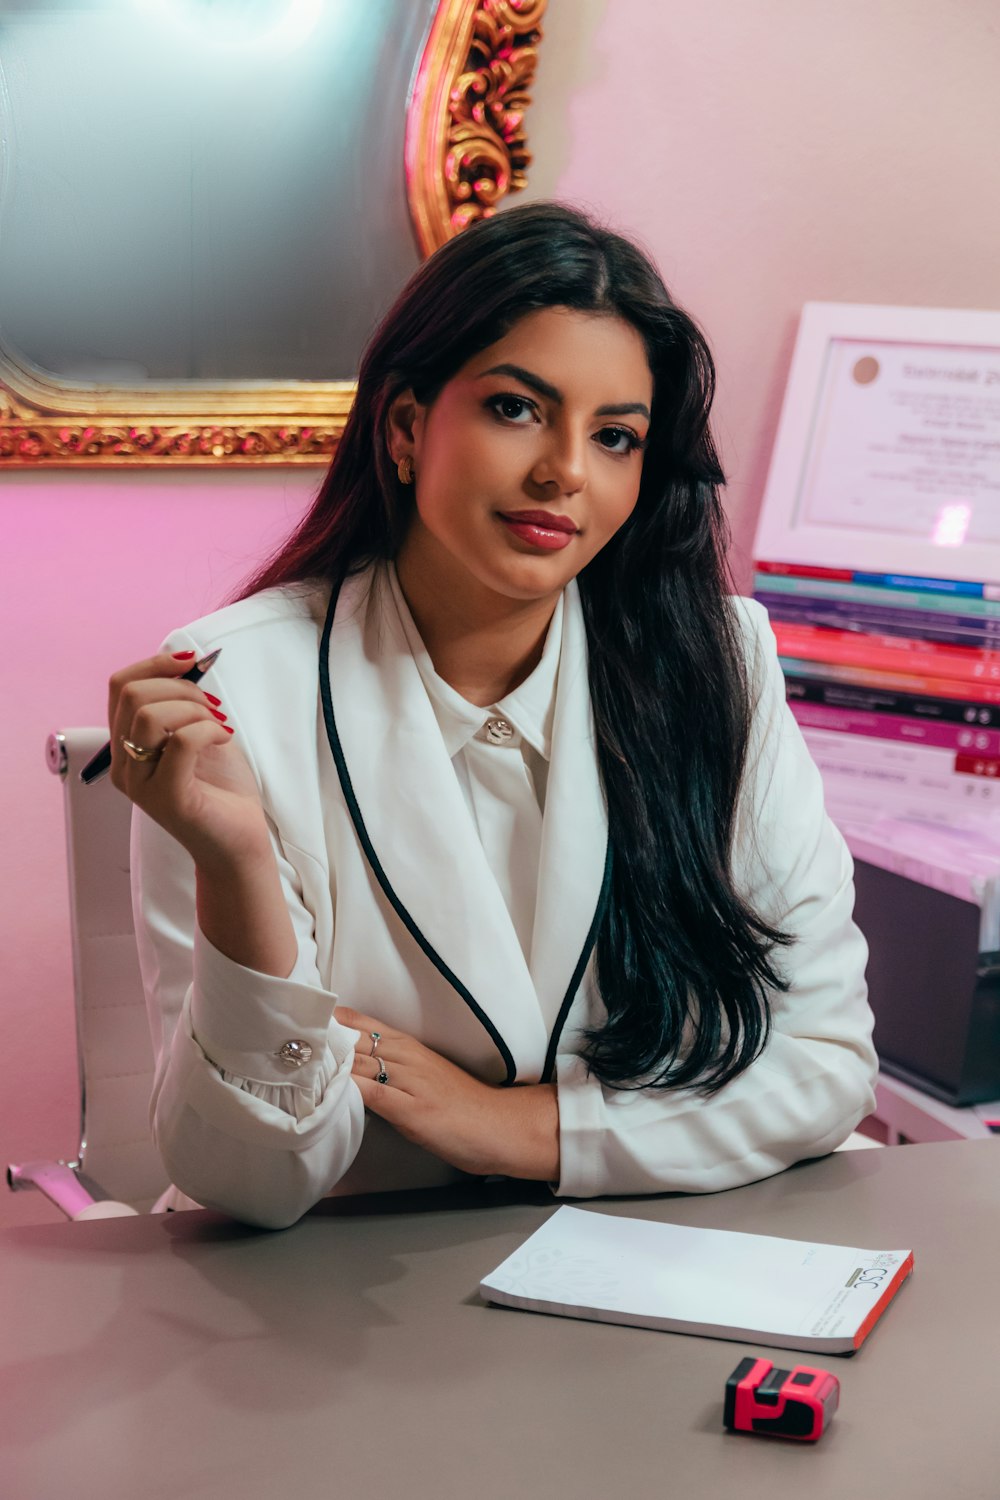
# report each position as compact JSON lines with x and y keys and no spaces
{"x":898,"y":780}
{"x":957,"y":586}
{"x":923,"y":585}
{"x":821,"y":588}
{"x":840,"y":614}
{"x":960,"y":738}
{"x":977,"y":765}
{"x":847,"y":804}
{"x":901,"y":682}
{"x":804,"y":570}
{"x":886,"y":653}
{"x":867,"y":700}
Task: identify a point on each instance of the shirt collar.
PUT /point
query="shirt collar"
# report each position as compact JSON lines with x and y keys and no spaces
{"x":529,"y":708}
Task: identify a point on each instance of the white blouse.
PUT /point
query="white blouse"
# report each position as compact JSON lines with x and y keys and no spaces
{"x":500,"y":755}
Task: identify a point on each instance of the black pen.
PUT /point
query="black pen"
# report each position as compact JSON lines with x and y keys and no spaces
{"x":100,"y":764}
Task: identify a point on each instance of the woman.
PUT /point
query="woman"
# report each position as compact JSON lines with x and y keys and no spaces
{"x":493,"y":848}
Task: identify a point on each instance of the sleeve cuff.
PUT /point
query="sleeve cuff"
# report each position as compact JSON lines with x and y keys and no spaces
{"x":241,"y":1019}
{"x":582,"y":1131}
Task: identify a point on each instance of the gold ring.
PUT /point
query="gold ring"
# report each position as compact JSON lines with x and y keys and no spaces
{"x":137,"y":752}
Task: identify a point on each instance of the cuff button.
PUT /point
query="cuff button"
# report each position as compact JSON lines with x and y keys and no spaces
{"x":293,"y":1054}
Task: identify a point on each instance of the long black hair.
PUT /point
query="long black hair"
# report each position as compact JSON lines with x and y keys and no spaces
{"x":684,"y":965}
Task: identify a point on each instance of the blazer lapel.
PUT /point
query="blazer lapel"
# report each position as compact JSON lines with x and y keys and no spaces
{"x":412,"y":820}
{"x":574,"y":868}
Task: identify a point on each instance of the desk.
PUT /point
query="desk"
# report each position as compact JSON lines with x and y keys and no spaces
{"x":183,"y":1356}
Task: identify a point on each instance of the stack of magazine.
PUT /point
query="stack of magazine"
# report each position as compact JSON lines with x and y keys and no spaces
{"x":895,"y":683}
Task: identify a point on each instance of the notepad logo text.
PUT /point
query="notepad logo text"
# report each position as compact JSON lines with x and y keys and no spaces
{"x":872,"y":1275}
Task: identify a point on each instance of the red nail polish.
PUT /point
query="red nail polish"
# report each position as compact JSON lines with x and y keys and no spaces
{"x":229,"y":729}
{"x":213,"y":699}
{"x":182,"y":655}
{"x":215,"y":711}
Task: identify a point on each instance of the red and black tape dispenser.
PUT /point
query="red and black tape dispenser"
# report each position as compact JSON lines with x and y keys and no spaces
{"x":797,"y":1403}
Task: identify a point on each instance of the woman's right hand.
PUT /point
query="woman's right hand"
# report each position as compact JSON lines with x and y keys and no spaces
{"x":200,"y":788}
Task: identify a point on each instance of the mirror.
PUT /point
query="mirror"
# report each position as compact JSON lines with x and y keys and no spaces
{"x":206,"y":206}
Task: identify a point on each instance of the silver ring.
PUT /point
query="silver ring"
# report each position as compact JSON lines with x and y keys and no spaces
{"x":137,"y":752}
{"x":381,"y":1076}
{"x":376,"y":1037}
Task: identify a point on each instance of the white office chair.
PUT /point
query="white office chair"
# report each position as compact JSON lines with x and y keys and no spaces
{"x":117,"y":1169}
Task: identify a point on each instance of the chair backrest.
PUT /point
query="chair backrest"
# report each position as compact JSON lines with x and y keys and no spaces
{"x":114,"y":1050}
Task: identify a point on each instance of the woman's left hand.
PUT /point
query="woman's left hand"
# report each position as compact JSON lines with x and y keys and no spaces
{"x":477,"y":1127}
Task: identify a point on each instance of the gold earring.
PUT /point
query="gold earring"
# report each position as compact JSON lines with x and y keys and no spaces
{"x":405,"y":469}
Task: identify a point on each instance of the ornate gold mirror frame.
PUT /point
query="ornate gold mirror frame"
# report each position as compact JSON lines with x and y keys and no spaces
{"x":465,"y":150}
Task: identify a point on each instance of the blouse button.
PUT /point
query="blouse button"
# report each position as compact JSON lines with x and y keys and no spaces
{"x":498,"y":731}
{"x":293,"y":1054}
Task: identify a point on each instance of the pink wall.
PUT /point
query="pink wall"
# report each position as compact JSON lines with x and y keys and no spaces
{"x":93,"y":573}
{"x":766,"y":153}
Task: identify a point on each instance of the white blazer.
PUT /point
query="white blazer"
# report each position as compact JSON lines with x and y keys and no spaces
{"x":397,"y":914}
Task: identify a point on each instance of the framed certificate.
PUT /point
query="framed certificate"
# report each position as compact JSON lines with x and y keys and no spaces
{"x":887,"y":457}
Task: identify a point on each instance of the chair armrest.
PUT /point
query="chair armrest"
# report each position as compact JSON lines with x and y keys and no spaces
{"x":61,"y":1185}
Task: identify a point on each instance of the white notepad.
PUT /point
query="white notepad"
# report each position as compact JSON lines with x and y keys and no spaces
{"x":793,"y":1294}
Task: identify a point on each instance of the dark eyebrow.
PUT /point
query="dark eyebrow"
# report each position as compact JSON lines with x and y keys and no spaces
{"x":626,"y":408}
{"x":518,"y":372}
{"x":536,"y":383}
